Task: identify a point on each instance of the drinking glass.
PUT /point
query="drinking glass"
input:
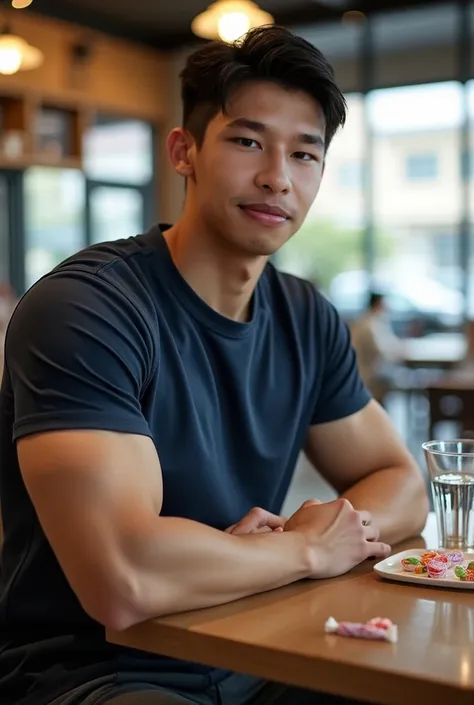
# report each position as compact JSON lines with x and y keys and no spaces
{"x":451,"y":469}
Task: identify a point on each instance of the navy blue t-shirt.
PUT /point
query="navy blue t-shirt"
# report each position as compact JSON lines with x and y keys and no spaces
{"x":114,"y":338}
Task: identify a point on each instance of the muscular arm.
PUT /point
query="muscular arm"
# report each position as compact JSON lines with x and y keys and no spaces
{"x":363,"y":458}
{"x":98,"y":496}
{"x":79,"y":354}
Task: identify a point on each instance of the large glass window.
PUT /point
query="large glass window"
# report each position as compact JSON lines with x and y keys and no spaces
{"x":119,"y":165}
{"x":468,"y":168}
{"x":54,"y":218}
{"x":329,"y":247}
{"x":115,"y":213}
{"x":417,"y":202}
{"x":119,"y":151}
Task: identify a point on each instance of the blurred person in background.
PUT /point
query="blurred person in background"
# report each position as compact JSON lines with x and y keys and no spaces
{"x":379,"y":351}
{"x":158,"y":391}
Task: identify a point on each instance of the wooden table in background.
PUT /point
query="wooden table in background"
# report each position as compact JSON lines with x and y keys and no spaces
{"x":280,"y":636}
{"x":442,"y":351}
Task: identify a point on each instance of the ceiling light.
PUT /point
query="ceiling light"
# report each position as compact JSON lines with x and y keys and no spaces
{"x":21,"y":4}
{"x":17,"y":55}
{"x":229,"y":19}
{"x":353,"y":17}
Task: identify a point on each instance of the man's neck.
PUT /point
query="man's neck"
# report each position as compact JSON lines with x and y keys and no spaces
{"x":220,"y":275}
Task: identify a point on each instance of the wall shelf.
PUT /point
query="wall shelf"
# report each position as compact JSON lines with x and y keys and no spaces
{"x":34,"y":132}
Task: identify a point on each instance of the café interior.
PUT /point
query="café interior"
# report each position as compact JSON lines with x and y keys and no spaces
{"x":89,"y":92}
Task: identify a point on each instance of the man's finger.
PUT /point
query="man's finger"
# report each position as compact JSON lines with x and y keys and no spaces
{"x":310,"y":503}
{"x":372,"y":533}
{"x":256,"y":521}
{"x":378,"y":550}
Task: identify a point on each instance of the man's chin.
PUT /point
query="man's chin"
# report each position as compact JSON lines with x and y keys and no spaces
{"x":266,"y":245}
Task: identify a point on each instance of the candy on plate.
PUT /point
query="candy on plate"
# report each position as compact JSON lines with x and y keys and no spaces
{"x":465,"y":574}
{"x":437,"y":569}
{"x":413,"y":565}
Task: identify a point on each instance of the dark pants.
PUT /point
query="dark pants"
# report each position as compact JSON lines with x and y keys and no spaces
{"x":233,"y":690}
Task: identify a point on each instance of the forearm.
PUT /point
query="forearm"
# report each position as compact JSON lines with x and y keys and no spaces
{"x":179,"y":565}
{"x":397,"y":499}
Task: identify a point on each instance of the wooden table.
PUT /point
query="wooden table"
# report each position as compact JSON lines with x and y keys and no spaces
{"x":280,"y":636}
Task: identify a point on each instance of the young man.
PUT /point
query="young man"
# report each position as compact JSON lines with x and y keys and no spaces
{"x":159,"y":388}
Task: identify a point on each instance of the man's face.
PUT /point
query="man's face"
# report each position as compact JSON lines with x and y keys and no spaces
{"x":260,"y":166}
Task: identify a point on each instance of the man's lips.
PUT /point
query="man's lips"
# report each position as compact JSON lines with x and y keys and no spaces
{"x":265,"y":213}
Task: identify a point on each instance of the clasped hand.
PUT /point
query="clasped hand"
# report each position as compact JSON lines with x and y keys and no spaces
{"x":338,"y":537}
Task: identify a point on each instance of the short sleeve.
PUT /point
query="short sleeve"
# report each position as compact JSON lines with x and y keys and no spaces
{"x":79,"y":354}
{"x":341,"y":390}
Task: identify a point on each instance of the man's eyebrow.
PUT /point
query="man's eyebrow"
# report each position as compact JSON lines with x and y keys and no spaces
{"x":260,"y":127}
{"x":249,"y":124}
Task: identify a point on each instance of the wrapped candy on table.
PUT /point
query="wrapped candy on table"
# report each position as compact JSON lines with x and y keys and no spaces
{"x":378,"y":628}
{"x":470,"y":565}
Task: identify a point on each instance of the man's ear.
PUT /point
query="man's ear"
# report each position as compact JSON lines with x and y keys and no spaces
{"x":179,"y":144}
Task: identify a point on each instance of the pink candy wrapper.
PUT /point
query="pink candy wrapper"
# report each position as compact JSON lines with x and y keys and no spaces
{"x":378,"y":629}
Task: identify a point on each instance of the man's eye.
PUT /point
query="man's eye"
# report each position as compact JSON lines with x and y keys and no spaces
{"x":246,"y":142}
{"x":305,"y":156}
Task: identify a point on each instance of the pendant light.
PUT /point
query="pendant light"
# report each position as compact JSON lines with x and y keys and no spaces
{"x":228,"y":20}
{"x":17,"y":55}
{"x":21,"y":4}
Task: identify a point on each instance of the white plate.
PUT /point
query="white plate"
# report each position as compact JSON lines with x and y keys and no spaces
{"x":391,"y":569}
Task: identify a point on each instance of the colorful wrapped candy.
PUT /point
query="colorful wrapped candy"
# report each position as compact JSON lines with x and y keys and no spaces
{"x":378,"y":628}
{"x":470,"y":565}
{"x":454,"y":557}
{"x":428,"y":556}
{"x":465,"y":574}
{"x":413,"y":565}
{"x":436,"y":568}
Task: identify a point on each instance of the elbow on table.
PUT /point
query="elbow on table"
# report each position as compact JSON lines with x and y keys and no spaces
{"x":117,"y":603}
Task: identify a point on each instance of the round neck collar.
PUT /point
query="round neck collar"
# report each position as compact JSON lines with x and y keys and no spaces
{"x":195,"y":304}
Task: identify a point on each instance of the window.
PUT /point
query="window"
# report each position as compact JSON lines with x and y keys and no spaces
{"x":115,"y":213}
{"x":350,"y":175}
{"x":421,"y":167}
{"x":119,"y":150}
{"x":468,"y":172}
{"x":415,"y":130}
{"x":54,"y":218}
{"x":119,"y":166}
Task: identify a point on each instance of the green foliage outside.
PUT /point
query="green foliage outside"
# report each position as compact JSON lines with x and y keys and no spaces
{"x":322,"y":249}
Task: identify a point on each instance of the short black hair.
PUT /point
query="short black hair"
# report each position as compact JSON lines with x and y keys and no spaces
{"x":375,"y":298}
{"x":269,"y":53}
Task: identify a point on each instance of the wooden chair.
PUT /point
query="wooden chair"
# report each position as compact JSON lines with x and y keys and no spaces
{"x":451,"y":399}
